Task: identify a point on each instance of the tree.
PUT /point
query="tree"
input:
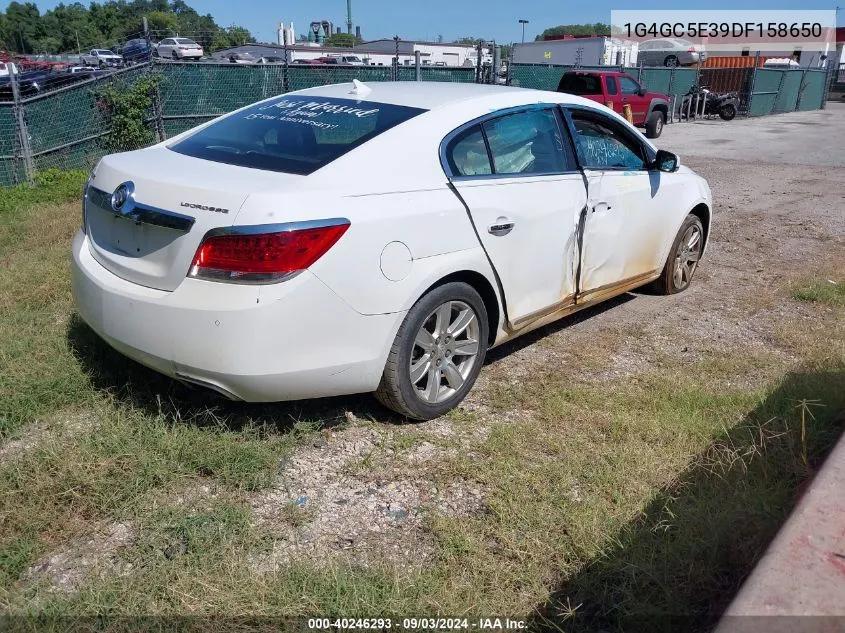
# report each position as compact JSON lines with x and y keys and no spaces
{"x":345,"y":40}
{"x":24,"y":25}
{"x":576,"y":29}
{"x":469,"y":41}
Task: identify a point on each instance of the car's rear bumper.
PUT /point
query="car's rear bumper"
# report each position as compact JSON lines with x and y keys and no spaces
{"x":286,"y":341}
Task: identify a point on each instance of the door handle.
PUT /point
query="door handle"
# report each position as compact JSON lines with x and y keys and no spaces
{"x":601,"y":206}
{"x":503,"y":226}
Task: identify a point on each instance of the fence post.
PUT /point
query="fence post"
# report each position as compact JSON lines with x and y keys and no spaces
{"x":640,"y":75}
{"x":751,"y":84}
{"x":418,"y":65}
{"x":509,"y":77}
{"x":23,"y":131}
{"x":395,"y":70}
{"x":800,"y":90}
{"x":671,"y":80}
{"x":479,"y":50}
{"x":828,"y":82}
{"x":497,"y":64}
{"x":285,"y":78}
{"x":158,"y":116}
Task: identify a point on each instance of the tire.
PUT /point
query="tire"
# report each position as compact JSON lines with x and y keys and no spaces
{"x":420,"y":400}
{"x":670,"y":282}
{"x":654,"y":124}
{"x":727,"y":112}
{"x":671,"y":62}
{"x":175,"y":56}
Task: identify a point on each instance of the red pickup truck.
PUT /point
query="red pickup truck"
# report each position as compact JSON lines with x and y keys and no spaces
{"x":612,"y":88}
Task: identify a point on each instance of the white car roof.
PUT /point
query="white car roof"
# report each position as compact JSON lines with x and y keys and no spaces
{"x":435,"y":95}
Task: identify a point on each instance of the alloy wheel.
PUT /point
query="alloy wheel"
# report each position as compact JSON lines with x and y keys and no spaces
{"x":687,"y":257}
{"x":445,"y":351}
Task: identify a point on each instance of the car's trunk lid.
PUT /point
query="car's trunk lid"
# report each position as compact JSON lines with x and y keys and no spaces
{"x":152,"y":238}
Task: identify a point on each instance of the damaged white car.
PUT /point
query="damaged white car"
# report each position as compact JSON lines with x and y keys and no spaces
{"x":355,"y":238}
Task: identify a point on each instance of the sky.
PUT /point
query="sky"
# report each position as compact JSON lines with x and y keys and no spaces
{"x":426,"y":19}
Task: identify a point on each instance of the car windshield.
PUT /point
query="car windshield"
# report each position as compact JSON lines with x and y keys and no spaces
{"x":186,"y":42}
{"x":293,"y":134}
{"x":575,"y":84}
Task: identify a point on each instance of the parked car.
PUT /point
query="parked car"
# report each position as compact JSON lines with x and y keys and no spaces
{"x":305,"y":61}
{"x":671,"y":53}
{"x":179,"y":48}
{"x":243,"y":58}
{"x":30,"y":82}
{"x":206,"y":259}
{"x":616,"y":90}
{"x":101,"y":58}
{"x":136,"y":51}
{"x":271,"y":60}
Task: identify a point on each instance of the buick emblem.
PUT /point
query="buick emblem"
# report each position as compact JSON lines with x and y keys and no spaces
{"x":121,"y":196}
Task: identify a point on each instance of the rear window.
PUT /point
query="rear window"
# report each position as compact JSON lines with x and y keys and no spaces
{"x":294,"y":135}
{"x":574,"y":84}
{"x":185,"y":41}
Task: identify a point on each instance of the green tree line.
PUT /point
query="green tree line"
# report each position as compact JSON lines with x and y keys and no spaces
{"x":576,"y":29}
{"x":71,"y":27}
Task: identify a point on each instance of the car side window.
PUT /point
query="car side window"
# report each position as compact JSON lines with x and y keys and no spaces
{"x":526,"y":143}
{"x":629,"y":86}
{"x":604,"y":144}
{"x":612,"y":88}
{"x":467,"y":154}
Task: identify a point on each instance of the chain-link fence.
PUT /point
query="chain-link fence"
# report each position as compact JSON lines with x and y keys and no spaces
{"x":72,"y":128}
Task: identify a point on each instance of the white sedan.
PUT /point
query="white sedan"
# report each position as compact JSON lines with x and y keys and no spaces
{"x":179,"y":48}
{"x":380,"y":238}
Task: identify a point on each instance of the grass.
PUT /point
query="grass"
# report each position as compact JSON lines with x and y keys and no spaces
{"x":608,"y":503}
{"x":827,"y":292}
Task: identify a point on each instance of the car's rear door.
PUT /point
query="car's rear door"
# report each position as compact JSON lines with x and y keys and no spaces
{"x":517,"y":175}
{"x":630,"y":208}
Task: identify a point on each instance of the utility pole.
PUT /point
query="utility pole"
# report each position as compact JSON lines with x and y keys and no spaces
{"x":523,"y":23}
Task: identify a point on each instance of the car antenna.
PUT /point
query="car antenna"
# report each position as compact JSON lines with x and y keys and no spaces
{"x":360,"y":88}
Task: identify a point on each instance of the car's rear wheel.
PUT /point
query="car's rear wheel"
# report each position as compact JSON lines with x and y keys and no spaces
{"x":671,"y":62}
{"x":175,"y":55}
{"x":437,"y":354}
{"x":654,"y":125}
{"x":683,"y":258}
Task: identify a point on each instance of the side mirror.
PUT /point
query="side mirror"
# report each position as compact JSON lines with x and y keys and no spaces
{"x":641,"y":92}
{"x":666,"y":161}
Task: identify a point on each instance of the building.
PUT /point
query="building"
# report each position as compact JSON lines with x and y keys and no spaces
{"x":432,"y":53}
{"x":582,"y":51}
{"x":369,"y":53}
{"x":287,"y":34}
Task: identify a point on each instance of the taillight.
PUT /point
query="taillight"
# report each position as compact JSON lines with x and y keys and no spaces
{"x":691,"y":49}
{"x":183,"y":48}
{"x":262,"y":255}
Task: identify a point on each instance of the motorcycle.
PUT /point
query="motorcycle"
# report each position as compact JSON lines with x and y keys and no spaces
{"x":726,"y":105}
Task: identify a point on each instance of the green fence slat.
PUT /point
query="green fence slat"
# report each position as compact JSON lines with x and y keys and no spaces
{"x":812,"y":96}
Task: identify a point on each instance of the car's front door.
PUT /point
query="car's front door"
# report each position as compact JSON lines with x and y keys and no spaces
{"x":630,"y":208}
{"x":630,"y":90}
{"x":517,"y":175}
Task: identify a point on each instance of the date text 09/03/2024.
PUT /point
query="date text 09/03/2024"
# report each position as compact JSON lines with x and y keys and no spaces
{"x":427,"y":624}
